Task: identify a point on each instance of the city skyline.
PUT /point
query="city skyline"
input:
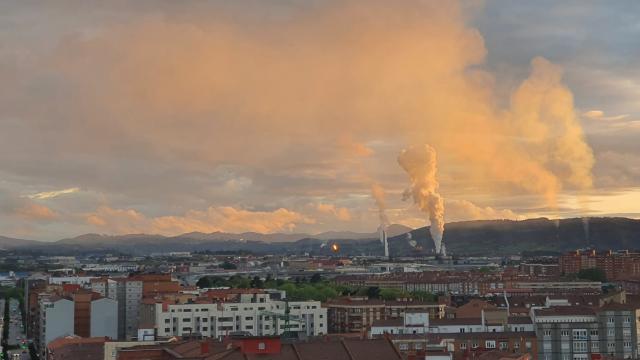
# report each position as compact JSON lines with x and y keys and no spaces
{"x":277,"y":116}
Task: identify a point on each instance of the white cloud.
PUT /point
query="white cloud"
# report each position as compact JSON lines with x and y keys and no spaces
{"x":52,"y":194}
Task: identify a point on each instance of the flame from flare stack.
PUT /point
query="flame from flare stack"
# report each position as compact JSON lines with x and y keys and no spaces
{"x":421,"y":165}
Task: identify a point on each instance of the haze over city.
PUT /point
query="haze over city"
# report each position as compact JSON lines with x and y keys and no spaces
{"x":166,"y":117}
{"x":319,"y":180}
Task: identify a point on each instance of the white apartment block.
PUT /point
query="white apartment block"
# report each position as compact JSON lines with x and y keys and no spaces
{"x":56,"y":320}
{"x":255,"y":314}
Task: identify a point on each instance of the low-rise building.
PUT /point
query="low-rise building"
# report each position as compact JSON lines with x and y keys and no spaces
{"x":249,"y":348}
{"x":355,"y":314}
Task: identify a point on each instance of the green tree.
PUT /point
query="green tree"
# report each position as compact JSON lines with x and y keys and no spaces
{"x":316,"y":278}
{"x":204,"y":282}
{"x":244,"y":283}
{"x":593,"y":274}
{"x":391,"y":294}
{"x":228,"y":266}
{"x":257,"y":283}
{"x":424,"y":296}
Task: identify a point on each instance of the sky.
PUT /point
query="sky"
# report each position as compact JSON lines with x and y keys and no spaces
{"x":169,"y":117}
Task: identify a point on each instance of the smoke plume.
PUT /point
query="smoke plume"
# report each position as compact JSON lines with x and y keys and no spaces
{"x":421,"y":165}
{"x":378,"y":195}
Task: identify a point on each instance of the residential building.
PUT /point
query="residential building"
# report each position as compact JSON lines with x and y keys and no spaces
{"x":412,"y":322}
{"x":255,"y":314}
{"x":616,"y":265}
{"x":355,"y":314}
{"x":580,"y":332}
{"x":129,"y":293}
{"x":249,"y":348}
{"x":76,"y":348}
{"x":79,"y":313}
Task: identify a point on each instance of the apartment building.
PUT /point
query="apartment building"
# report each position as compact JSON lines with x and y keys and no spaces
{"x":616,"y":265}
{"x":128,"y":292}
{"x":255,"y":314}
{"x":412,"y":322}
{"x":355,"y":314}
{"x":80,"y":313}
{"x":580,"y":333}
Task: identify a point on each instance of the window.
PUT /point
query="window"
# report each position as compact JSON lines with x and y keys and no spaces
{"x":627,"y":319}
{"x":186,"y":310}
{"x":594,"y":333}
{"x":611,"y":347}
{"x":504,"y":345}
{"x":167,"y":330}
{"x":579,"y":346}
{"x":262,"y":346}
{"x":516,"y":345}
{"x":204,"y":328}
{"x":611,"y":332}
{"x":611,"y":320}
{"x":205,"y":319}
{"x":528,"y":345}
{"x":626,"y":332}
{"x":249,"y":327}
{"x":166,"y":321}
{"x":595,"y":347}
{"x":462,"y":330}
{"x":547,"y":333}
{"x":186,"y":320}
{"x":564,"y":333}
{"x":404,"y":347}
{"x":249,"y":318}
{"x":474,"y":345}
{"x":566,"y":357}
{"x":580,"y":334}
{"x":490,"y":344}
{"x":627,"y":345}
{"x":463,"y":346}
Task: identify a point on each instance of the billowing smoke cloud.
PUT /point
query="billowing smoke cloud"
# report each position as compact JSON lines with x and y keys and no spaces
{"x":377,"y":191}
{"x":421,"y":165}
{"x":270,"y":91}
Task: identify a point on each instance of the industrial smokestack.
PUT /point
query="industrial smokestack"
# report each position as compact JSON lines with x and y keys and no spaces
{"x":383,"y":239}
{"x":420,"y":164}
{"x":378,"y":195}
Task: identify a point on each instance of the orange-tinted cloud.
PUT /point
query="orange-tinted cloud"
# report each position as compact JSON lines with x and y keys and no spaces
{"x":340,"y":213}
{"x":33,"y":211}
{"x":298,"y":99}
{"x":226,"y":219}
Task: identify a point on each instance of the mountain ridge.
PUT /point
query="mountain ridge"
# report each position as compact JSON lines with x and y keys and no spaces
{"x":477,"y":237}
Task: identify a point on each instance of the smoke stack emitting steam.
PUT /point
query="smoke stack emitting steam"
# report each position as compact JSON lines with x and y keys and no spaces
{"x":378,"y":194}
{"x":421,"y":165}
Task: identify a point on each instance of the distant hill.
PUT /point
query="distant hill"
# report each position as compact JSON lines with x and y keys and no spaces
{"x":486,"y":237}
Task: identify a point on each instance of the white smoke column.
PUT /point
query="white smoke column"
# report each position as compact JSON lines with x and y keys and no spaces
{"x":378,"y":195}
{"x":421,"y":165}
